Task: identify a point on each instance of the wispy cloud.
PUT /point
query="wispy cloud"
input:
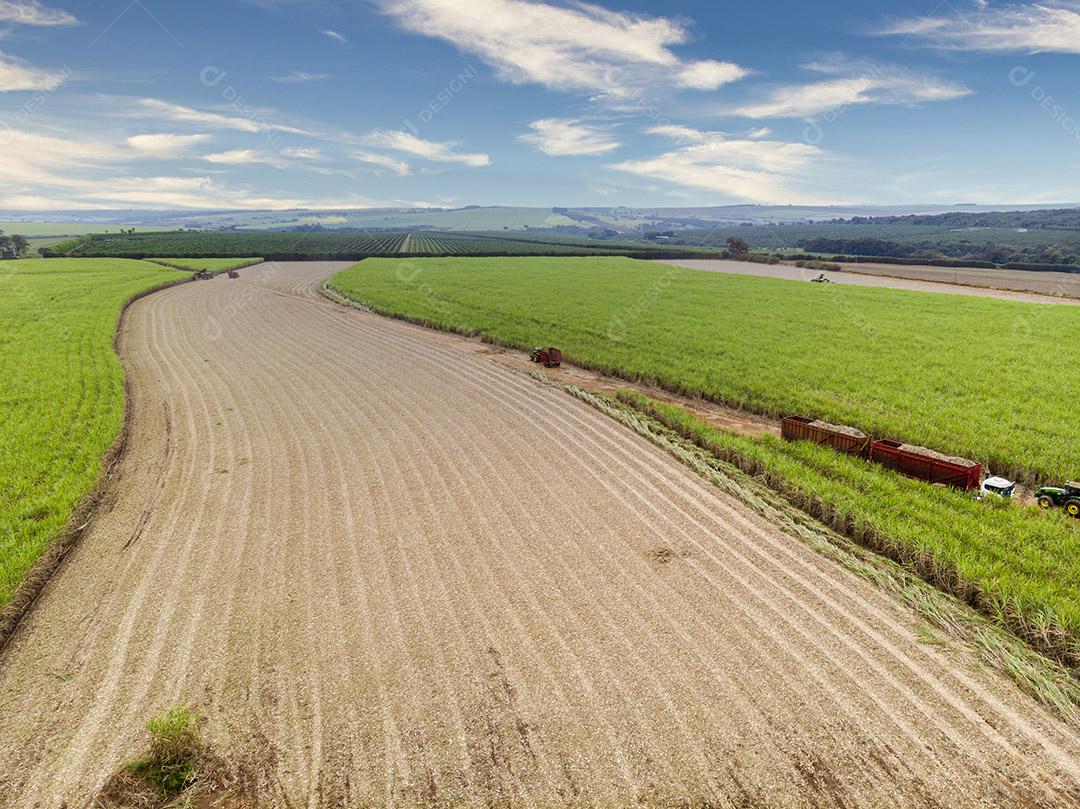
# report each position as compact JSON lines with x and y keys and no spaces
{"x":580,"y":46}
{"x":341,"y":39}
{"x":166,"y":144}
{"x":87,"y":172}
{"x":31,"y":12}
{"x":853,"y":83}
{"x":401,"y":141}
{"x":164,"y":110}
{"x":741,"y":168}
{"x":240,"y":157}
{"x":569,"y":137}
{"x":681,"y":134}
{"x":300,"y":77}
{"x":284,"y":160}
{"x":15,"y":74}
{"x":384,"y":162}
{"x":303,"y":153}
{"x":1052,"y":26}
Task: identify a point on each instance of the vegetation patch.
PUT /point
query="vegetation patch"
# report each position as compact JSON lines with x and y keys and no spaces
{"x":61,"y":395}
{"x":178,"y":770}
{"x":208,"y":264}
{"x":974,"y":377}
{"x":871,"y":510}
{"x":1016,"y":565}
{"x":316,"y":245}
{"x":818,"y":265}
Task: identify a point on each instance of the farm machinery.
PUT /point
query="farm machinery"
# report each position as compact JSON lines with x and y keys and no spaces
{"x":1067,"y":497}
{"x":907,"y":459}
{"x":548,"y":357}
{"x":202,"y":275}
{"x":821,"y":279}
{"x":234,"y":274}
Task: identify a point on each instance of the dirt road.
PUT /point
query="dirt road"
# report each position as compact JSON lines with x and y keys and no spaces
{"x":1007,"y":285}
{"x":391,"y":572}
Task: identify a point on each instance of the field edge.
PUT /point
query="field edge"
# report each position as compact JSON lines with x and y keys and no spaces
{"x":42,"y":570}
{"x":1044,"y":679}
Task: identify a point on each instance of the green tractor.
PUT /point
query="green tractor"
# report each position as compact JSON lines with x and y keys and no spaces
{"x":1067,"y":496}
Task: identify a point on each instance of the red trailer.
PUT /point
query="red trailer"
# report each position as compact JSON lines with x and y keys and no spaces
{"x":840,"y":438}
{"x":234,"y":274}
{"x":926,"y":464}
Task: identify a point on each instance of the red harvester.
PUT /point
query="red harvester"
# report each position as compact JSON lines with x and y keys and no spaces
{"x":548,"y":357}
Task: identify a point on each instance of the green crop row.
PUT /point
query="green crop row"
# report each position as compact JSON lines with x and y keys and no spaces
{"x":1015,"y":564}
{"x":977,"y":377}
{"x":208,"y":264}
{"x":316,"y":245}
{"x":62,"y":392}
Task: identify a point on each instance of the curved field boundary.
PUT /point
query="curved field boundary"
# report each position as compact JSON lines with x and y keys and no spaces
{"x":391,"y":573}
{"x":861,"y":550}
{"x":1047,"y":635}
{"x":37,"y":577}
{"x":934,"y":280}
{"x":208,"y":264}
{"x":1043,"y":623}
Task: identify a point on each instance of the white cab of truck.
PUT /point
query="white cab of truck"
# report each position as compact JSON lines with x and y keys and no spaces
{"x":998,"y":486}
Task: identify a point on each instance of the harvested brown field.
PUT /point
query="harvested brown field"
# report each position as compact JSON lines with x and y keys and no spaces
{"x":390,"y":571}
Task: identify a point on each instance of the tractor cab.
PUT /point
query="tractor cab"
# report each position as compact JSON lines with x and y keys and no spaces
{"x":998,"y":486}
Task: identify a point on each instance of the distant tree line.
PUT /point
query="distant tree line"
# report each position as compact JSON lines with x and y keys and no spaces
{"x":1055,"y":218}
{"x":13,"y":246}
{"x":1056,"y":255}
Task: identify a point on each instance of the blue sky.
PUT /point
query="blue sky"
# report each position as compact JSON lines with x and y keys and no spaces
{"x":357,"y":103}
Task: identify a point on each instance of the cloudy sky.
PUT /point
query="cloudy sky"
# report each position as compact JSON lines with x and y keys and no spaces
{"x":335,"y":103}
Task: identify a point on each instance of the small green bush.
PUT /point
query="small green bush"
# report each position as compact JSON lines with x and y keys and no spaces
{"x":175,"y":745}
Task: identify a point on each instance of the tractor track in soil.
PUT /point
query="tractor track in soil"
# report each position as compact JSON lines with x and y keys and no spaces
{"x":390,"y":571}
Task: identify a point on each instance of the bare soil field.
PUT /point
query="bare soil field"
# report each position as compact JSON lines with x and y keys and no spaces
{"x":390,"y":571}
{"x":1011,"y":285}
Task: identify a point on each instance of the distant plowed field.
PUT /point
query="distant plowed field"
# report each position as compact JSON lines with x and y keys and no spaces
{"x":351,"y":245}
{"x":390,"y":572}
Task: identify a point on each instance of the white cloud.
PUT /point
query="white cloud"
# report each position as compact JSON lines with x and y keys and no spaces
{"x":1053,"y":27}
{"x":15,"y":74}
{"x":382,"y":161}
{"x":569,"y":137}
{"x":300,"y":77}
{"x":31,"y":12}
{"x":239,"y":157}
{"x":286,"y":159}
{"x":401,"y":141}
{"x":253,"y":123}
{"x":709,"y":74}
{"x":304,"y":153}
{"x":742,"y":169}
{"x":165,"y":145}
{"x":334,"y":35}
{"x":680,"y":134}
{"x":31,"y":158}
{"x":854,"y":84}
{"x":576,"y":47}
{"x":84,"y":172}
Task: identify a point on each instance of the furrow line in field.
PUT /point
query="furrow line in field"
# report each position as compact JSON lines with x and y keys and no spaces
{"x":938,"y":688}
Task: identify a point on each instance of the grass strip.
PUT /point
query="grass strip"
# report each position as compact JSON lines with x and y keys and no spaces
{"x":1016,"y":565}
{"x":745,"y":475}
{"x":61,"y":395}
{"x":969,"y":376}
{"x":208,"y":264}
